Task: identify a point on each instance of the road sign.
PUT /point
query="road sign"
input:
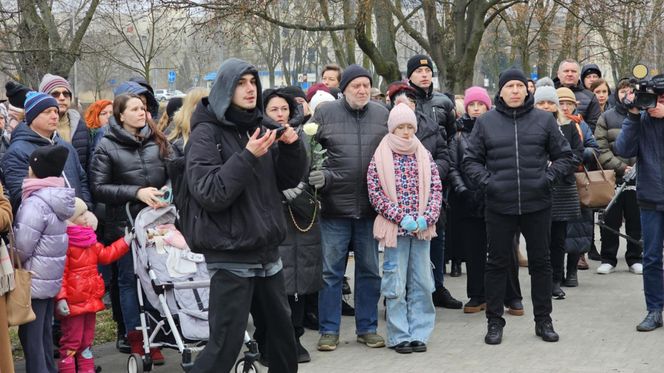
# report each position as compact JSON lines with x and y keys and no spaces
{"x":171,"y":76}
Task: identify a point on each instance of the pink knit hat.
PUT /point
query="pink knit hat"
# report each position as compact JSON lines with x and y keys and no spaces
{"x":401,"y":114}
{"x":476,"y":94}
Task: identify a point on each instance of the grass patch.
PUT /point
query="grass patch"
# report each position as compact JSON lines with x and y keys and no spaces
{"x":105,"y":332}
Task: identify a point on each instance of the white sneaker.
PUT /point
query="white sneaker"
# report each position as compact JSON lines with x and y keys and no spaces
{"x":636,"y":268}
{"x":605,"y":269}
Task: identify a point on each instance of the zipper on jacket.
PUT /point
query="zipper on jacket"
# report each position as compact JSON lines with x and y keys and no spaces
{"x":359,"y":160}
{"x":518,"y":173}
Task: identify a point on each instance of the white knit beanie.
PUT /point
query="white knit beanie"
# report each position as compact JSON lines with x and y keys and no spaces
{"x":401,"y":114}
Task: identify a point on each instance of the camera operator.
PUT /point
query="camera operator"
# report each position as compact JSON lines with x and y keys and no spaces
{"x":642,"y":136}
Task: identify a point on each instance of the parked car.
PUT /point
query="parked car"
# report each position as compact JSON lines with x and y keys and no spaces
{"x":165,"y":94}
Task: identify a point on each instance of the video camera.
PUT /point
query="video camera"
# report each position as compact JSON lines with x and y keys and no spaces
{"x":645,"y":91}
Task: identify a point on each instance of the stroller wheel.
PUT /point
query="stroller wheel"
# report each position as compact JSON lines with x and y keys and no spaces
{"x":240,"y":367}
{"x":135,"y":363}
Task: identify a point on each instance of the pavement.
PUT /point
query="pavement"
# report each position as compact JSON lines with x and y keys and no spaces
{"x":596,"y":323}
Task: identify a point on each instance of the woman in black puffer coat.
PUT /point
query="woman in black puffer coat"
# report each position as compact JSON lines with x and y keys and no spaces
{"x":565,"y":198}
{"x":300,"y":252}
{"x":128,"y":167}
{"x":468,"y":209}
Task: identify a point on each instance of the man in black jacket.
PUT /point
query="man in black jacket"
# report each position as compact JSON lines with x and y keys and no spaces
{"x":587,"y":104}
{"x":235,"y":175}
{"x":350,"y":129}
{"x":441,"y":109}
{"x":508,"y":156}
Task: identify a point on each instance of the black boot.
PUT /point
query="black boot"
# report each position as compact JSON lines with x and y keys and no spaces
{"x":571,"y":280}
{"x":302,"y":353}
{"x":494,"y":334}
{"x":545,"y":330}
{"x":345,"y":287}
{"x":456,"y":269}
{"x":443,"y":298}
{"x":347,"y":309}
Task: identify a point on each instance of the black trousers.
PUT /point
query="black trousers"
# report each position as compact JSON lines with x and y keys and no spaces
{"x":231,"y":298}
{"x":473,"y":241}
{"x":626,"y":206}
{"x":297,"y":318}
{"x":501,"y":229}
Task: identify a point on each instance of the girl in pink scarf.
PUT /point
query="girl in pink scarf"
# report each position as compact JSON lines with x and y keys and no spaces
{"x":405,"y":190}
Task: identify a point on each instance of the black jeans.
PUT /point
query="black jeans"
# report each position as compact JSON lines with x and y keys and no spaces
{"x":231,"y":298}
{"x":473,"y":241}
{"x":626,"y":206}
{"x":501,"y":229}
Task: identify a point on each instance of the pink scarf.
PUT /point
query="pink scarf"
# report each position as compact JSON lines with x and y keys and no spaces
{"x":31,"y":185}
{"x":384,"y":230}
{"x":81,"y":236}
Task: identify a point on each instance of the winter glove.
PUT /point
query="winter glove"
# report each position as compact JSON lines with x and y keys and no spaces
{"x":62,"y":308}
{"x":408,"y":223}
{"x":317,"y":179}
{"x":292,"y":193}
{"x":129,"y":236}
{"x":421,"y":224}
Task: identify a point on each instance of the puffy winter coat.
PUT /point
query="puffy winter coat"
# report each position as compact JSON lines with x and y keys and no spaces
{"x":41,"y":238}
{"x":508,"y":155}
{"x":351,"y":138}
{"x":82,"y":285}
{"x":236,"y":197}
{"x":608,"y":128}
{"x":565,"y":203}
{"x":80,"y":137}
{"x":433,"y":138}
{"x":587,"y":104}
{"x":437,"y":106}
{"x":121,"y":165}
{"x":470,"y":200}
{"x":16,"y":161}
{"x":642,"y":136}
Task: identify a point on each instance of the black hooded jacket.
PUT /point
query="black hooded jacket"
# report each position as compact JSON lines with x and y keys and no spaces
{"x":472,"y":199}
{"x":508,"y":155}
{"x":433,"y":138}
{"x":236,"y":197}
{"x":120,"y":167}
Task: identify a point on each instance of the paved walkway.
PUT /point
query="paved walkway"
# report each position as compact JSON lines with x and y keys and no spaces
{"x":596,"y":323}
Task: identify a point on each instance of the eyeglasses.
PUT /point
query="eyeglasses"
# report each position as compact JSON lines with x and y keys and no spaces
{"x":57,"y":94}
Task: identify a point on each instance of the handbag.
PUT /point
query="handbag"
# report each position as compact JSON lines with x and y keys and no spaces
{"x":305,"y":207}
{"x":19,"y":300}
{"x":596,"y":188}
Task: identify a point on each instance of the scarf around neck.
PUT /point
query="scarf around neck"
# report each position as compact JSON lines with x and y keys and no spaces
{"x":384,"y":230}
{"x":245,"y":120}
{"x":31,"y":185}
{"x":81,"y":236}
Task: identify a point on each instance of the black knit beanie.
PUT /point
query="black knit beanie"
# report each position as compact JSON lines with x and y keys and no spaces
{"x":418,"y":61}
{"x":351,"y":73}
{"x":511,"y":74}
{"x":48,"y":161}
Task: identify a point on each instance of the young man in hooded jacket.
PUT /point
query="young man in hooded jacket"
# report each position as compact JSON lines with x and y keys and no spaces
{"x":235,"y":175}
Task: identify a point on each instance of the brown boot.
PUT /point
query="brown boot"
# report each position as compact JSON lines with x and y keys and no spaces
{"x":582,"y":264}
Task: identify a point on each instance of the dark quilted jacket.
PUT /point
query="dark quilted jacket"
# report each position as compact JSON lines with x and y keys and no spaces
{"x":608,"y":128}
{"x":437,"y":106}
{"x":80,"y":137}
{"x":508,"y":155}
{"x":120,"y":166}
{"x":471,"y":200}
{"x":351,"y":138}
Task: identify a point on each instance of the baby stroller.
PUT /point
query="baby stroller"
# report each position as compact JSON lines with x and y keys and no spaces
{"x":175,"y":282}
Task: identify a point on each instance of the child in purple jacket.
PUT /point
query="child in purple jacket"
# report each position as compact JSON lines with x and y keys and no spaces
{"x":405,"y":190}
{"x":41,"y":243}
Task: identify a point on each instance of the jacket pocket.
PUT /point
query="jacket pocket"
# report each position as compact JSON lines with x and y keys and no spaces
{"x":391,"y":286}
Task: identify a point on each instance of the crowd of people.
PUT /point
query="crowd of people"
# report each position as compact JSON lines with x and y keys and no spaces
{"x":282,"y":186}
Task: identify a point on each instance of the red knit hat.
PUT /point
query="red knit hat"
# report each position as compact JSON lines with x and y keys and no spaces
{"x":315,"y":88}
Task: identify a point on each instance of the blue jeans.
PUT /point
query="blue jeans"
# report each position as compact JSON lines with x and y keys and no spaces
{"x":128,"y":293}
{"x":407,"y":286}
{"x":652,"y":227}
{"x":336,"y":234}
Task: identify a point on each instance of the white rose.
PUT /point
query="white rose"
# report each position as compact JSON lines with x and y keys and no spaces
{"x":310,"y":128}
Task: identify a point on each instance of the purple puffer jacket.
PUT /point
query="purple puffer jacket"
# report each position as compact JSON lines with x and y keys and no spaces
{"x":41,"y":237}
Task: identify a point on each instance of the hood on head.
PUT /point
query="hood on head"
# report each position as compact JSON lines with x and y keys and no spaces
{"x":223,"y":88}
{"x":590,"y":68}
{"x":61,"y":200}
{"x":137,"y":89}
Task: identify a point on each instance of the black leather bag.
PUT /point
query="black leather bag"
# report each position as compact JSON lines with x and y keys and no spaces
{"x":304,"y":208}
